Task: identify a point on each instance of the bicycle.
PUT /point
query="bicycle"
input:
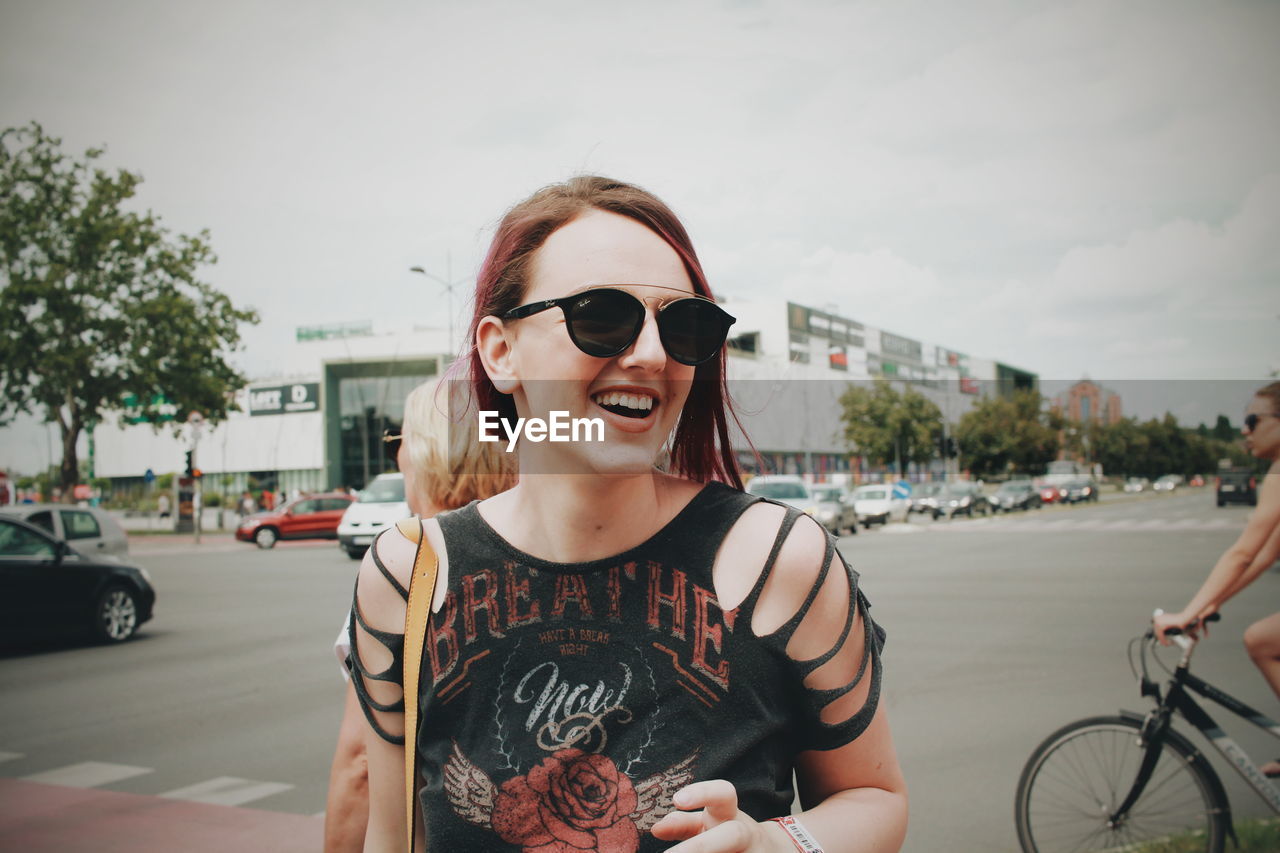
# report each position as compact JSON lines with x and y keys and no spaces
{"x":1131,"y":781}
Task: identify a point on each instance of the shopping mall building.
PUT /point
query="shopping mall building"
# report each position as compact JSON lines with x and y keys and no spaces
{"x":318,"y":423}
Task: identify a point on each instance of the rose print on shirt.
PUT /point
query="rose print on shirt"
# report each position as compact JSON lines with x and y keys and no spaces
{"x":571,"y":802}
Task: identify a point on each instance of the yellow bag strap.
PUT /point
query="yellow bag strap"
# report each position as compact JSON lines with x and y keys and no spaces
{"x":422,"y":588}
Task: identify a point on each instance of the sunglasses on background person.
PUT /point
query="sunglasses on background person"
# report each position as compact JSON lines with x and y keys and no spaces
{"x":391,"y":444}
{"x":605,"y":321}
{"x":1251,"y":420}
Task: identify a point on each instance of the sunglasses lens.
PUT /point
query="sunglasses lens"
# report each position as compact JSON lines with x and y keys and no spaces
{"x":693,"y":330}
{"x":1251,"y":422}
{"x":603,"y":323}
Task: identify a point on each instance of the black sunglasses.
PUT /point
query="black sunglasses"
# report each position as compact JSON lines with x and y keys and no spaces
{"x":391,"y":444}
{"x":604,"y":322}
{"x":1251,"y":420}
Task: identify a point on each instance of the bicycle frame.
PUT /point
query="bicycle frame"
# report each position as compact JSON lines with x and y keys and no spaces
{"x":1177,"y":699}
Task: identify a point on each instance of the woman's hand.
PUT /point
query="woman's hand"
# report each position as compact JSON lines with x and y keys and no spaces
{"x":719,"y":827}
{"x":1162,"y":622}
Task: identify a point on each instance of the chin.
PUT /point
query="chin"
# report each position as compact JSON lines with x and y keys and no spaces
{"x":620,"y":460}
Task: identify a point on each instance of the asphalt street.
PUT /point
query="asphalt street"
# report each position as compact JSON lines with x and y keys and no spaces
{"x":1000,"y":630}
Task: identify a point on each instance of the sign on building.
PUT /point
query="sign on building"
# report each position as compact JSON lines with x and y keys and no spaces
{"x":285,"y":399}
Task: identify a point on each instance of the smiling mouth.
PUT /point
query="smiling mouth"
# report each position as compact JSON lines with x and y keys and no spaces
{"x":627,"y":405}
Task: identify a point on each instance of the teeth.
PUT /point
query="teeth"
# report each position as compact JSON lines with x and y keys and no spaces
{"x":641,"y":402}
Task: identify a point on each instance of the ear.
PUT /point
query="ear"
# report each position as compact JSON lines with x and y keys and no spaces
{"x":493,"y":343}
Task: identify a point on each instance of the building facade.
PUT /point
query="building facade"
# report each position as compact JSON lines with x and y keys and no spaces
{"x":318,"y":423}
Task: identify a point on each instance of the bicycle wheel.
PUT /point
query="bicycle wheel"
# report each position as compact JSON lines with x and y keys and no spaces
{"x":1076,"y":778}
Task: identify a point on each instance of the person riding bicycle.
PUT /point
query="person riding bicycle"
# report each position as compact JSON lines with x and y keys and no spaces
{"x":1251,"y":554}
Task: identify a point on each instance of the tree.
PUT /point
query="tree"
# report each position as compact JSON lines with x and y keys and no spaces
{"x":98,"y":302}
{"x":1223,"y":430}
{"x":886,"y":425}
{"x":1001,"y":435}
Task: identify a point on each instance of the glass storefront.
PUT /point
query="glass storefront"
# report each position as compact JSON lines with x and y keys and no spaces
{"x":370,"y":399}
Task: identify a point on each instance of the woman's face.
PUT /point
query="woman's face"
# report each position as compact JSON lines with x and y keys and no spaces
{"x":1263,"y":441}
{"x":600,"y":248}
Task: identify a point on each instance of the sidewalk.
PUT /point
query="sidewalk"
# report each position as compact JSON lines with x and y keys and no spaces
{"x":39,"y":818}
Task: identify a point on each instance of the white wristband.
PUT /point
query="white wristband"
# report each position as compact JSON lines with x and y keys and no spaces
{"x":799,"y":836}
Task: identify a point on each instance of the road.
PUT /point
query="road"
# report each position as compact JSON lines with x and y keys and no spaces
{"x":999,"y":629}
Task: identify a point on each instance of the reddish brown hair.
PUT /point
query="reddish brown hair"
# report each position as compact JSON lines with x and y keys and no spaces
{"x":701,"y":450}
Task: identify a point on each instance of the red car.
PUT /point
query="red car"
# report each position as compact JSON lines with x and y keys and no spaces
{"x":308,"y":517}
{"x":1052,"y":494}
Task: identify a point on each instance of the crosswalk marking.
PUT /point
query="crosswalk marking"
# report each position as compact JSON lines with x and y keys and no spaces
{"x":227,"y":791}
{"x":87,"y":774}
{"x":10,"y":756}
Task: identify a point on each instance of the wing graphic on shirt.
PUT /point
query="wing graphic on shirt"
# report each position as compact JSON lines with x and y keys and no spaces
{"x":471,"y":792}
{"x":654,"y":793}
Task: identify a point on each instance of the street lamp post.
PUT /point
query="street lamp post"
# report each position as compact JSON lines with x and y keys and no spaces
{"x":449,"y":284}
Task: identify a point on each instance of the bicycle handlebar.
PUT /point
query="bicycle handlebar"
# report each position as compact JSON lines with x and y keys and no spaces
{"x":1173,"y":632}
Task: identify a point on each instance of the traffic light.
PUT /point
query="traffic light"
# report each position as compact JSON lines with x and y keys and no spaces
{"x":952,"y":450}
{"x":191,"y":464}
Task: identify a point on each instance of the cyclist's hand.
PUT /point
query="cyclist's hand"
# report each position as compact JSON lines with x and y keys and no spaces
{"x":1162,"y":622}
{"x":1203,"y":616}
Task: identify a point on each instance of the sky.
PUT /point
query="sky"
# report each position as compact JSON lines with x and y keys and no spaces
{"x":1075,"y":188}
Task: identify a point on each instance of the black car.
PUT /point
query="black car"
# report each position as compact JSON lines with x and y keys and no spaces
{"x":1016,"y":494}
{"x":962,"y":498}
{"x":1078,"y":491}
{"x":1237,"y":485}
{"x":47,"y":587}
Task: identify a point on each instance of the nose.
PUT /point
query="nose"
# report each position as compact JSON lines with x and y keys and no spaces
{"x":647,"y":352}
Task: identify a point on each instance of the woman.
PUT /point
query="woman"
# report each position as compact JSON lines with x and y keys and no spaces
{"x":444,"y":468}
{"x":1251,"y":555}
{"x":621,"y":658}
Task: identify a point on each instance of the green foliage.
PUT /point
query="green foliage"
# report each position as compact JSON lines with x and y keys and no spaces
{"x":98,"y":301}
{"x":1005,"y":435}
{"x":886,"y":425}
{"x":1223,"y":430}
{"x":1133,"y":448}
{"x":164,"y":483}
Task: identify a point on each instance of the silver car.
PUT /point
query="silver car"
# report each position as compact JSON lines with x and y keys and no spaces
{"x":89,"y":529}
{"x":835,"y":509}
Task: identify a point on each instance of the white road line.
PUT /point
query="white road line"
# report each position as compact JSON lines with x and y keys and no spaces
{"x":10,"y":756}
{"x":227,"y":791}
{"x":88,"y":774}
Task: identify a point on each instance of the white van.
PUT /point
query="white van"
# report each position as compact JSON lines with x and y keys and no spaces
{"x":379,"y":506}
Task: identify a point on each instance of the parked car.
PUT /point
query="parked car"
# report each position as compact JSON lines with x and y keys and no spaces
{"x":834,"y":509}
{"x":924,"y":498}
{"x":89,"y":529}
{"x":1051,"y":493}
{"x":1167,"y":483}
{"x":1079,"y":491}
{"x":1133,"y":485}
{"x":877,"y":505}
{"x":307,"y":517}
{"x":1237,"y":485}
{"x":1015,"y":494}
{"x":963,"y":498}
{"x":380,"y":505}
{"x":48,"y":587}
{"x":787,"y":488}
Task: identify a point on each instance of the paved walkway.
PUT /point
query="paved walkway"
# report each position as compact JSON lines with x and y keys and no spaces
{"x":37,"y":818}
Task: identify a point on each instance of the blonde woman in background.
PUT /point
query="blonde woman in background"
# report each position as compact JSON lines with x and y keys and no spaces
{"x":444,"y":468}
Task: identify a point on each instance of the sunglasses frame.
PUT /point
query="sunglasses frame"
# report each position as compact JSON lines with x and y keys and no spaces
{"x":391,"y":438}
{"x":564,"y":303}
{"x":1251,"y":419}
